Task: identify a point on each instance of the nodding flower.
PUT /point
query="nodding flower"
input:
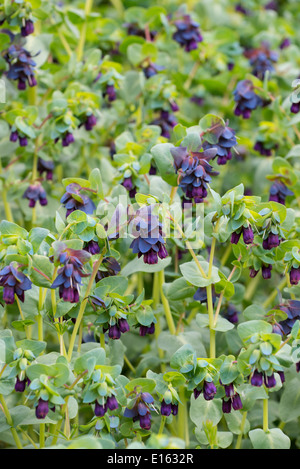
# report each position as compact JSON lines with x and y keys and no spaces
{"x":21,"y":66}
{"x":73,"y":199}
{"x":246,"y":99}
{"x":148,"y":242}
{"x":187,"y":33}
{"x":34,"y":193}
{"x":195,"y":171}
{"x":140,"y":411}
{"x":69,"y":276}
{"x":14,"y":282}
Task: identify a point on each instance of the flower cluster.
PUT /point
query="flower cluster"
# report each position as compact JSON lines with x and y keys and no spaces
{"x":14,"y":282}
{"x":140,"y":409}
{"x":187,"y":33}
{"x":195,"y":171}
{"x":36,"y":192}
{"x":69,"y":276}
{"x":147,"y":231}
{"x":21,"y":66}
{"x":226,"y":140}
{"x":246,"y":99}
{"x":73,"y":199}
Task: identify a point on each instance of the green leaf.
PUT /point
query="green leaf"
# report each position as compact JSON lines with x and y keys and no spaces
{"x":165,"y":162}
{"x":142,"y":384}
{"x":249,"y":328}
{"x":272,"y":439}
{"x":191,"y":273}
{"x":202,"y":410}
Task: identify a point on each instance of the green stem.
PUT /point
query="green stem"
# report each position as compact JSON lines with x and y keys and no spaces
{"x":83,"y":306}
{"x":165,"y":303}
{"x":212,"y":332}
{"x":266,"y":415}
{"x":7,"y":209}
{"x":10,"y":422}
{"x":162,"y":425}
{"x":251,"y":288}
{"x":183,"y":431}
{"x":274,"y":294}
{"x":129,"y":364}
{"x":102,"y":340}
{"x":80,"y":50}
{"x":240,"y":437}
{"x":42,"y":435}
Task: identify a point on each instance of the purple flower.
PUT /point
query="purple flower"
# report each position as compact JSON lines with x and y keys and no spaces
{"x":144,"y":330}
{"x":248,"y":235}
{"x":261,"y":59}
{"x":195,"y":171}
{"x":165,"y":409}
{"x":15,"y":135}
{"x":140,"y":411}
{"x":110,"y":92}
{"x":67,"y":139}
{"x":231,"y":314}
{"x":20,"y":385}
{"x":90,"y":122}
{"x":112,"y":268}
{"x":266,"y":271}
{"x":151,"y":69}
{"x":257,"y":378}
{"x":235,"y":237}
{"x":92,"y":247}
{"x":187,"y":34}
{"x":28,"y":28}
{"x":73,"y":199}
{"x":41,"y":409}
{"x":246,"y":99}
{"x":100,"y":409}
{"x":272,"y":241}
{"x":236,"y":402}
{"x":295,"y":108}
{"x":112,"y":403}
{"x":270,"y":381}
{"x":226,"y":406}
{"x":292,"y":310}
{"x":225,"y":141}
{"x":265,"y":149}
{"x":166,"y":122}
{"x":21,"y":66}
{"x":34,"y":193}
{"x":114,"y":332}
{"x":123,"y":325}
{"x":46,"y":166}
{"x":148,"y":241}
{"x":209,"y":390}
{"x":294,"y":275}
{"x":286,"y":42}
{"x":279,"y":192}
{"x":14,"y":282}
{"x":69,"y":276}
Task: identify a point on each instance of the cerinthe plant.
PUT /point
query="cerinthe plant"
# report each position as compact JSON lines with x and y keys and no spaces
{"x":149,"y":233}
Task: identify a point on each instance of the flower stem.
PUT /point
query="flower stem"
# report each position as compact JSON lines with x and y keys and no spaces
{"x":80,"y":50}
{"x":240,"y":437}
{"x":212,"y":332}
{"x":83,"y":306}
{"x":42,"y":435}
{"x":165,"y":303}
{"x":266,"y":415}
{"x":183,"y":431}
{"x":10,"y":422}
{"x":273,"y":295}
{"x":162,"y":424}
